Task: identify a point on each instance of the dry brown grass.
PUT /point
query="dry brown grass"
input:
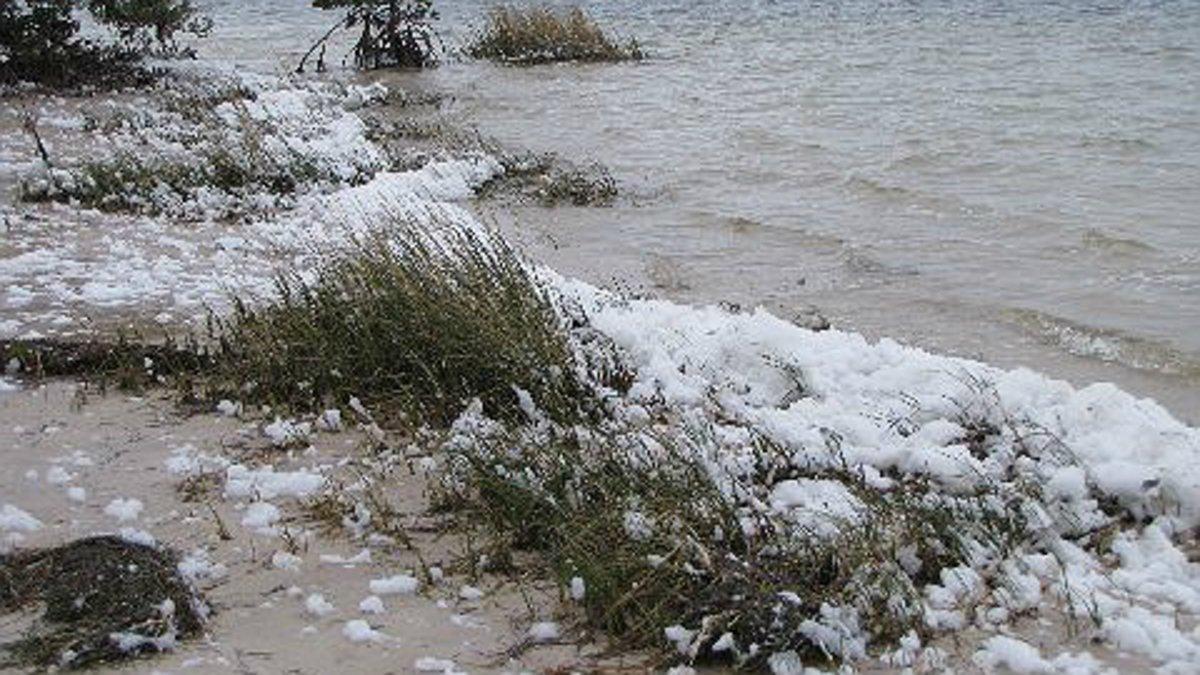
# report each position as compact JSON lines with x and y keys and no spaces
{"x":542,"y":35}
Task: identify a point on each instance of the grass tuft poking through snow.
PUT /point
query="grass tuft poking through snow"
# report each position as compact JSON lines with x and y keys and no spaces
{"x":415,"y":325}
{"x":542,"y":35}
{"x":660,"y":538}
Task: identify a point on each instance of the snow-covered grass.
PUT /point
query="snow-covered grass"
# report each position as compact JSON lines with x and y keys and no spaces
{"x":217,"y":147}
{"x":721,"y":486}
{"x":768,"y":558}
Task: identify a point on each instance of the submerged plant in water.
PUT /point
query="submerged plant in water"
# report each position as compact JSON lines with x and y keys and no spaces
{"x":392,"y":33}
{"x":542,"y":35}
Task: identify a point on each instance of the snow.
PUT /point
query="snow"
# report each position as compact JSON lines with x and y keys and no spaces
{"x":361,"y":558}
{"x":283,"y":433}
{"x":317,"y":605}
{"x":724,"y":643}
{"x":429,"y":664}
{"x":578,"y":589}
{"x":227,"y":408}
{"x":56,"y":475}
{"x":77,"y":494}
{"x":401,"y":584}
{"x":544,"y":631}
{"x":124,"y":510}
{"x":358,"y":630}
{"x":817,"y":507}
{"x":372,"y":604}
{"x":1130,"y":448}
{"x":185,"y":460}
{"x":681,"y":637}
{"x":470,"y":593}
{"x":330,"y":421}
{"x":197,"y":566}
{"x":13,"y":519}
{"x":260,"y":515}
{"x":1002,"y":652}
{"x":134,"y":535}
{"x":267,"y":483}
{"x":282,"y":560}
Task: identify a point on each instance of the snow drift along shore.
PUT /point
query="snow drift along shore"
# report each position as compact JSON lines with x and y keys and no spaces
{"x":1113,"y":482}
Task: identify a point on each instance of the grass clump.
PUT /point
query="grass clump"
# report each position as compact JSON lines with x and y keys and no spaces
{"x":542,"y":35}
{"x":206,"y":150}
{"x":128,"y":182}
{"x":127,"y":362}
{"x":547,"y":180}
{"x":413,"y":325}
{"x":101,"y":599}
{"x":672,"y":550}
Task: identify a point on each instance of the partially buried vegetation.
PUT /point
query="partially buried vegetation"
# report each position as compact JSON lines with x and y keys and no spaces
{"x":214,"y":148}
{"x":536,"y":35}
{"x":659,"y":546}
{"x":693,"y":535}
{"x":91,"y":602}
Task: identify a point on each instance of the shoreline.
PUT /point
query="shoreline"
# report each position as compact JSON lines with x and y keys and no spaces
{"x":890,"y":411}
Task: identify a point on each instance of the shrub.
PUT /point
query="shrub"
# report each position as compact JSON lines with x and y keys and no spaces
{"x":551,"y":181}
{"x":392,"y":33}
{"x":666,"y":544}
{"x":40,"y":42}
{"x":541,"y":35}
{"x":128,"y":362}
{"x":148,"y":25}
{"x":414,"y":325}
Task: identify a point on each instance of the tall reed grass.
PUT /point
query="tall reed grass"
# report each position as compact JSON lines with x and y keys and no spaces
{"x":542,"y":35}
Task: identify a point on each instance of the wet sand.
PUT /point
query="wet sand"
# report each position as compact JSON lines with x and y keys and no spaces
{"x":115,"y":446}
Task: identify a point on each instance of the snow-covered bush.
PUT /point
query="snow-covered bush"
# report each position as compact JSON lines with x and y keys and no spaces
{"x":824,"y":563}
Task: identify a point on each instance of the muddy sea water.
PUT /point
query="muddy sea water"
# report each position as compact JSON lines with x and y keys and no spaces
{"x":1016,"y":181}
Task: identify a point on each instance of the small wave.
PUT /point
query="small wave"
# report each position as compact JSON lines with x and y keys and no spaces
{"x":875,"y":188}
{"x":1106,"y":344}
{"x":862,"y":264}
{"x":741,"y":224}
{"x":1118,"y":143}
{"x":1100,"y":240}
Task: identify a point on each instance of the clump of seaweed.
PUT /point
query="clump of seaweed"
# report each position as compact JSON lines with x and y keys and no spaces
{"x":542,"y":35}
{"x":128,"y":362}
{"x":101,"y":600}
